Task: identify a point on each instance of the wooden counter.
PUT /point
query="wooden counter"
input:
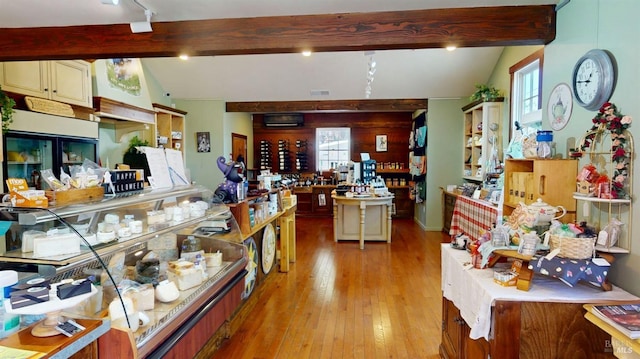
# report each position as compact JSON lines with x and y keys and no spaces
{"x":362,"y":219}
{"x":83,"y":344}
{"x":482,"y":318}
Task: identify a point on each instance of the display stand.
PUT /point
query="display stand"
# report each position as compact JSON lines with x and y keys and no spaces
{"x":596,"y":210}
{"x":52,"y":309}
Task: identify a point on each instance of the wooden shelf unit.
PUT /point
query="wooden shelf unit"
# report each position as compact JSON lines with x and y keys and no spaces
{"x":479,"y":119}
{"x":170,"y":124}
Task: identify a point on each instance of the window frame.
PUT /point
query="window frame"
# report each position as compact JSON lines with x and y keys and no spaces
{"x":337,"y":160}
{"x":515,"y":96}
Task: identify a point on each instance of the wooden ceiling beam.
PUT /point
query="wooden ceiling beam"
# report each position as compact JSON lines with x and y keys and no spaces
{"x":389,"y":105}
{"x":435,"y":28}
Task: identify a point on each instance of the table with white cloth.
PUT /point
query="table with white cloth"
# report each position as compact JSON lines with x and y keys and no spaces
{"x":474,"y":292}
{"x":472,"y":217}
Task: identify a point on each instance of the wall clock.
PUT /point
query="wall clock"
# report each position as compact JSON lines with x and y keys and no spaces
{"x":560,"y":106}
{"x":594,"y":78}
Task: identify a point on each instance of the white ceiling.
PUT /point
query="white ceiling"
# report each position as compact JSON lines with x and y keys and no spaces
{"x":426,"y":73}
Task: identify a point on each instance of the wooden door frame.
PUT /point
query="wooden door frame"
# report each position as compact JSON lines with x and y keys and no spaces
{"x":239,"y":137}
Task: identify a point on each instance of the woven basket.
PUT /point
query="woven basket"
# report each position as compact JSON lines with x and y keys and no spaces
{"x":573,"y":248}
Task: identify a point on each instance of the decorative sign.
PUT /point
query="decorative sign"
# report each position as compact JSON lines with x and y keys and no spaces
{"x":49,"y":107}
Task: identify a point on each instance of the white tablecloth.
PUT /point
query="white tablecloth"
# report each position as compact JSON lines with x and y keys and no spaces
{"x":474,"y":292}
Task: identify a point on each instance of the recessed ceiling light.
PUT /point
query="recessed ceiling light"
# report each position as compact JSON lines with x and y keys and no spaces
{"x":451,"y":48}
{"x":110,"y":2}
{"x":306,"y":53}
{"x":184,"y":57}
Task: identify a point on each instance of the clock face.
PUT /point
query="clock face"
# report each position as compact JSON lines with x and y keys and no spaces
{"x":593,"y":79}
{"x":588,"y":78}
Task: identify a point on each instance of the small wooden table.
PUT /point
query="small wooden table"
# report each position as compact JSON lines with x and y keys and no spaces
{"x":365,"y":218}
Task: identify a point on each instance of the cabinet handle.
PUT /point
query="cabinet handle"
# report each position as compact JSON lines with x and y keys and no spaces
{"x":46,"y":89}
{"x":541,"y":185}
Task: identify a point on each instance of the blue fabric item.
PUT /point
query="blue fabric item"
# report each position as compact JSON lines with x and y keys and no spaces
{"x":570,"y":271}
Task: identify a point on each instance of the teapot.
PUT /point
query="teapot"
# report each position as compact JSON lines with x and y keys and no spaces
{"x":543,"y":212}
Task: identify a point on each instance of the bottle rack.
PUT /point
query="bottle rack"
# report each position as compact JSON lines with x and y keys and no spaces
{"x":595,"y":209}
{"x":283,"y":156}
{"x":301,"y":155}
{"x":265,"y":155}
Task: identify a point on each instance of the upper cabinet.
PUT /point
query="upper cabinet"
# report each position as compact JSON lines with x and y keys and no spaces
{"x":481,"y":139}
{"x":170,"y":126}
{"x":67,"y":81}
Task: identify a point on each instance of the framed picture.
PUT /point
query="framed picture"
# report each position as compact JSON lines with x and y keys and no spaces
{"x":203,"y":140}
{"x":381,"y":143}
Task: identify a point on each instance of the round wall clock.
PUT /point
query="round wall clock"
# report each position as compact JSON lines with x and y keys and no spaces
{"x":560,"y":106}
{"x":268,"y":248}
{"x":594,"y":78}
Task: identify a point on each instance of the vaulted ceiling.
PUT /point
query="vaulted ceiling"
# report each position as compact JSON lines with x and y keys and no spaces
{"x":248,"y":50}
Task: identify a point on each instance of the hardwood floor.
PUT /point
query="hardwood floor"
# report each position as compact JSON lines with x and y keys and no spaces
{"x":338,"y":301}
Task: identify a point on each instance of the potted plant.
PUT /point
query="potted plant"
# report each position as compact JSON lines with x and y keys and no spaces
{"x":136,"y":159}
{"x":136,"y":142}
{"x":7,"y":104}
{"x":485,"y":93}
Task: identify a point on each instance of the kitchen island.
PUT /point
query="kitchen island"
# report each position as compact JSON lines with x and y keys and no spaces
{"x":362,"y":218}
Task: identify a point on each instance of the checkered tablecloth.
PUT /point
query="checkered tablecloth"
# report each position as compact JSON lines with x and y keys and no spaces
{"x":472,"y":217}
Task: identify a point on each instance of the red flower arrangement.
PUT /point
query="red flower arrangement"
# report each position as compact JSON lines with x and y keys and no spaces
{"x":610,"y":119}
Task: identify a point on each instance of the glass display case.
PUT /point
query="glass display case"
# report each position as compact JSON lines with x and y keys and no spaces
{"x":28,"y":154}
{"x":134,"y":242}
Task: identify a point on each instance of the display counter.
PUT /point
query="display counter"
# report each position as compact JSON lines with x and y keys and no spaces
{"x":161,"y":226}
{"x":482,"y":313}
{"x":362,"y":218}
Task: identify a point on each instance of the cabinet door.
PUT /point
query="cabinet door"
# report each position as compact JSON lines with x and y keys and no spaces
{"x":25,"y":77}
{"x":71,"y":82}
{"x":555,"y":181}
{"x":476,"y":349}
{"x":404,"y":204}
{"x":321,"y":201}
{"x":452,"y":325}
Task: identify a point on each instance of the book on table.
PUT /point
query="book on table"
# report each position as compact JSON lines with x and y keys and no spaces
{"x":624,"y":317}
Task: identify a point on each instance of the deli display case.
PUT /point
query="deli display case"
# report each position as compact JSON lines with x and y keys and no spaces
{"x":166,"y":257}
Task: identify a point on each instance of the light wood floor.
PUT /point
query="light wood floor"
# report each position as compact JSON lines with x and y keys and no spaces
{"x":338,"y":301}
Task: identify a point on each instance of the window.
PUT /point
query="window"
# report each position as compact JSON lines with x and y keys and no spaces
{"x":334,"y":146}
{"x":526,"y":92}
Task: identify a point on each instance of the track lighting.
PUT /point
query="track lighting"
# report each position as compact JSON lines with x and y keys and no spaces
{"x":142,"y":26}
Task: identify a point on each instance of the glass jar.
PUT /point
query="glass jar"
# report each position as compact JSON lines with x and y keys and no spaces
{"x":191,"y":244}
{"x":545,"y":144}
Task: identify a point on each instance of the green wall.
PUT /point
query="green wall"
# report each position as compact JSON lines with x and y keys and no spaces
{"x":611,"y":25}
{"x":444,"y":155}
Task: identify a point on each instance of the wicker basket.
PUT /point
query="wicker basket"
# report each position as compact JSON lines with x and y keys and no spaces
{"x":573,"y":248}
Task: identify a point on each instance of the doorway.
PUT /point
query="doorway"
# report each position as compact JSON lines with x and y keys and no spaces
{"x":239,"y":147}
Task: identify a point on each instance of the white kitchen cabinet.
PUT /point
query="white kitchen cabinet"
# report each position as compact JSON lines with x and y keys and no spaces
{"x":67,"y":81}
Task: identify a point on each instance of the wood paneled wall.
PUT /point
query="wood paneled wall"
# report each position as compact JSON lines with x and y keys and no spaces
{"x":364,"y":128}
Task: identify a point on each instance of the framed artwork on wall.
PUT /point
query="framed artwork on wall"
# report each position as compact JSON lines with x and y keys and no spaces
{"x":381,"y":143}
{"x":203,"y":141}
